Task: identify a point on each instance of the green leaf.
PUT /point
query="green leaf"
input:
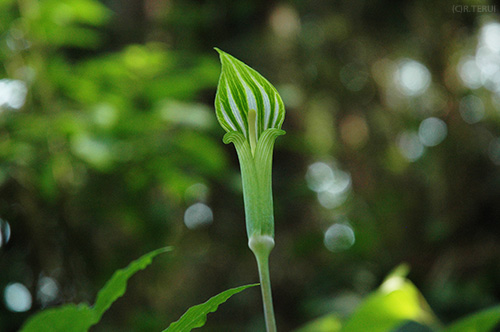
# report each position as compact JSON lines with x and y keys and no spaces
{"x":482,"y":321}
{"x":70,"y":318}
{"x":197,"y":316}
{"x":328,"y":323}
{"x":117,"y":285}
{"x":396,"y":301}
{"x":79,"y":318}
{"x":242,"y":89}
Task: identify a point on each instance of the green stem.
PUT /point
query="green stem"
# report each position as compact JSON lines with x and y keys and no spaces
{"x":261,"y":246}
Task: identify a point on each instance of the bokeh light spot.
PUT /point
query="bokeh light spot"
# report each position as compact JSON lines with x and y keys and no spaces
{"x":17,"y":297}
{"x":412,"y":77}
{"x":471,"y":109}
{"x":331,"y":200}
{"x":319,"y":176}
{"x":339,"y":237}
{"x":490,"y":36}
{"x":95,"y":151}
{"x":410,"y":146}
{"x":331,"y":183}
{"x":487,"y":58}
{"x":284,"y":21}
{"x":198,"y":215}
{"x":12,"y":93}
{"x":469,"y":73}
{"x":4,"y":232}
{"x":432,"y":131}
{"x":488,"y":64}
{"x":47,"y":290}
{"x":16,"y":41}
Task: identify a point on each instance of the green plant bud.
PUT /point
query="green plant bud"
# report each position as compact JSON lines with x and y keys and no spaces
{"x":250,"y":109}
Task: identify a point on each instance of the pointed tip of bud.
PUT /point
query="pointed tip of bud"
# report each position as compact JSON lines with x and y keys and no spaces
{"x":223,"y":55}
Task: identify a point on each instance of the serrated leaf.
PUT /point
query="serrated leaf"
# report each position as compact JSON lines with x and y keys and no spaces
{"x":482,"y":321}
{"x":117,"y":285}
{"x":79,"y":318}
{"x":242,"y":89}
{"x":197,"y":316}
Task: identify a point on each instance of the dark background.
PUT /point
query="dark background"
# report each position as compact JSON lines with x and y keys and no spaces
{"x":108,"y":135}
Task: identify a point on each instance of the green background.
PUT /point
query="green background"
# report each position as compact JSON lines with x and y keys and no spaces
{"x":108,"y":135}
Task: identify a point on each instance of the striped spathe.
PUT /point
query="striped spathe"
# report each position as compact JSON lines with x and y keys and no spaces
{"x":242,"y":89}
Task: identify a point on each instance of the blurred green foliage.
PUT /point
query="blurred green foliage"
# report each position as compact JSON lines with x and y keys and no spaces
{"x":395,"y":302}
{"x":485,"y":320}
{"x":108,"y":136}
